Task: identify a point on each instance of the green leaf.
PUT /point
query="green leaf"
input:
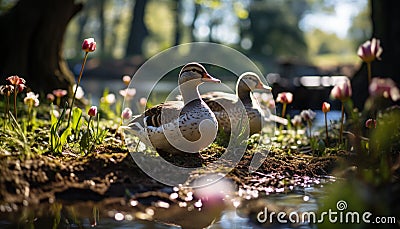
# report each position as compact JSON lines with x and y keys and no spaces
{"x":64,"y":136}
{"x":76,"y":120}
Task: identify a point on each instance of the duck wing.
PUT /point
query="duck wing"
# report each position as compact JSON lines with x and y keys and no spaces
{"x":219,"y":101}
{"x":159,"y":114}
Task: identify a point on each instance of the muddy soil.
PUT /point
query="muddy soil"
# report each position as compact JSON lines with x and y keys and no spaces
{"x":111,"y":172}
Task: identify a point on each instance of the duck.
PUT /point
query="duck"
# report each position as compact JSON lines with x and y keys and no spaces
{"x":225,"y":104}
{"x":186,"y":126}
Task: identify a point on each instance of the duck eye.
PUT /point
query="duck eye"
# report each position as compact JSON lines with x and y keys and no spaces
{"x":198,"y":71}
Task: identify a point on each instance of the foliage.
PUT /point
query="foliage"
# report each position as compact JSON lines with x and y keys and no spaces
{"x":272,"y":27}
{"x":325,"y":48}
{"x":57,"y":141}
{"x":361,"y":28}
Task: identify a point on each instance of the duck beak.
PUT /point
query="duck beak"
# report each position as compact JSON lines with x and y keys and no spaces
{"x":262,"y":86}
{"x":208,"y":78}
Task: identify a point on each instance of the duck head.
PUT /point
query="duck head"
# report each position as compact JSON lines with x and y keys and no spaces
{"x":196,"y":73}
{"x":191,"y":76}
{"x":249,"y":81}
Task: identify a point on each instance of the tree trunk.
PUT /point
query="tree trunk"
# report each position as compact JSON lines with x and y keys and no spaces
{"x":386,"y":27}
{"x":178,"y":32}
{"x":192,"y":26}
{"x":102,"y":28}
{"x":31,"y":43}
{"x":138,"y":30}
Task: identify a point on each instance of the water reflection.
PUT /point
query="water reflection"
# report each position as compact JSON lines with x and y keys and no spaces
{"x":168,"y":210}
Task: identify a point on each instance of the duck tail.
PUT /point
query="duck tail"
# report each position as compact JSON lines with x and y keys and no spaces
{"x":135,"y":128}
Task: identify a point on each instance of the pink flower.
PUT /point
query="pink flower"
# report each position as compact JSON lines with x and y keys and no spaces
{"x":128,"y":93}
{"x":143,"y":101}
{"x":326,"y":107}
{"x":60,"y":93}
{"x":385,"y":87}
{"x":50,"y":97}
{"x":89,"y":45}
{"x":285,"y":97}
{"x":92,"y":111}
{"x":370,"y":50}
{"x":126,"y":79}
{"x":126,"y":113}
{"x":370,"y":123}
{"x":20,"y":87}
{"x":342,"y":91}
{"x":16,"y":80}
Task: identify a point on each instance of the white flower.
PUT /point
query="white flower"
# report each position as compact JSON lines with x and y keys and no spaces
{"x":109,"y":99}
{"x":55,"y":113}
{"x":296,"y":121}
{"x":308,"y":115}
{"x":126,"y":79}
{"x":31,"y":99}
{"x":128,"y":93}
{"x":79,"y":93}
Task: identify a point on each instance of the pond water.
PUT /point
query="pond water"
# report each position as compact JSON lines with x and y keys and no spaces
{"x":120,"y":213}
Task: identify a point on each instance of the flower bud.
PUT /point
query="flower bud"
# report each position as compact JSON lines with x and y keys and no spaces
{"x":370,"y":123}
{"x":285,"y":97}
{"x":60,"y":93}
{"x":50,"y":97}
{"x":326,"y":107}
{"x":370,"y":50}
{"x":126,"y":79}
{"x":385,"y":87}
{"x":342,"y":91}
{"x":92,"y":111}
{"x":126,"y":113}
{"x":143,"y":101}
{"x":89,"y":45}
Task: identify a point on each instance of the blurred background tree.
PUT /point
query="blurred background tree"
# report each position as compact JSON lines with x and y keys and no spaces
{"x":31,"y":41}
{"x":129,"y":31}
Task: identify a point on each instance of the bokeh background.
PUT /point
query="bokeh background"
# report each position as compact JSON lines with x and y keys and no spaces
{"x":287,"y":39}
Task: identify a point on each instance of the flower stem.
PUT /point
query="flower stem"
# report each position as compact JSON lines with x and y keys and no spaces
{"x":326,"y":128}
{"x":369,"y":72}
{"x":77,"y":85}
{"x":284,"y":110}
{"x":58,"y":101}
{"x":29,"y":115}
{"x":15,"y":101}
{"x":341,"y":125}
{"x":6,"y":108}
